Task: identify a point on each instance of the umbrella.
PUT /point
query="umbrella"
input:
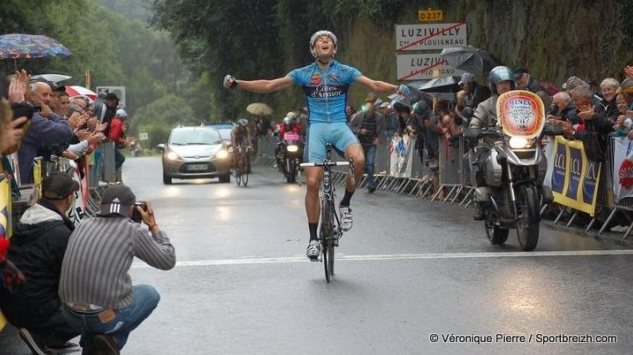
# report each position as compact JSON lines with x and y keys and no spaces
{"x":53,"y":78}
{"x":441,"y":84}
{"x":471,"y":59}
{"x":76,"y":90}
{"x":259,"y":108}
{"x":22,"y":46}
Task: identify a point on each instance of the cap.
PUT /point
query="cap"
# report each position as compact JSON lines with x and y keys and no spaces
{"x":518,"y":71}
{"x":626,"y":86}
{"x":421,"y":108}
{"x":384,"y":105}
{"x":111,"y":96}
{"x":58,"y":186}
{"x":466,"y":78}
{"x":117,"y":199}
{"x":121,"y":113}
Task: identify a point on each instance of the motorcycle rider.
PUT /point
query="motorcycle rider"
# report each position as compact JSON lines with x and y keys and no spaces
{"x":501,"y":80}
{"x":289,"y":124}
{"x":240,"y":134}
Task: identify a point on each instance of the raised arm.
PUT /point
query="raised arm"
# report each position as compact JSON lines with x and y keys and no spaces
{"x":258,"y":86}
{"x":381,"y":86}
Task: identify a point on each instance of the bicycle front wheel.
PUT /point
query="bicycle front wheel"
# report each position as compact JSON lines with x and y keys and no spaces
{"x":326,"y":234}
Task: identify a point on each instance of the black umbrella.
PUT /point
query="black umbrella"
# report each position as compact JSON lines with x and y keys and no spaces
{"x":471,"y":59}
{"x":441,"y":84}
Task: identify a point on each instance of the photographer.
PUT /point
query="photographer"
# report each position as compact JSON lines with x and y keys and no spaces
{"x":95,"y":284}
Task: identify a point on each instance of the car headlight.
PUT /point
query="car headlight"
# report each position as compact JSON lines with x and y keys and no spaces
{"x":518,"y":142}
{"x":292,"y":148}
{"x":173,"y":156}
{"x":222,"y":154}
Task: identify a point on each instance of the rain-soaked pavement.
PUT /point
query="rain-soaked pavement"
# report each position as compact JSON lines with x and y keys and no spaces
{"x":412,"y":277}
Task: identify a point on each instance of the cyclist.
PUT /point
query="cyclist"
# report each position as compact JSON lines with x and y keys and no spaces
{"x":325,"y":83}
{"x":241,"y":134}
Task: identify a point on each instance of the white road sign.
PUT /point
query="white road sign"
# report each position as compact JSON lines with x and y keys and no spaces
{"x":421,"y":66}
{"x":430,"y":36}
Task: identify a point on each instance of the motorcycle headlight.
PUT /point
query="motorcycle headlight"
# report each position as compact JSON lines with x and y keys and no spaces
{"x":222,"y":154}
{"x":292,"y":148}
{"x":172,"y":156}
{"x":518,"y":142}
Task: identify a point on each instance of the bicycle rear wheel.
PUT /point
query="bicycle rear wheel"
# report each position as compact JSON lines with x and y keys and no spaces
{"x":326,"y":234}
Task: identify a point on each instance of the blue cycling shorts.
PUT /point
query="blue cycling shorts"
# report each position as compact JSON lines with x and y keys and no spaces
{"x":337,"y":133}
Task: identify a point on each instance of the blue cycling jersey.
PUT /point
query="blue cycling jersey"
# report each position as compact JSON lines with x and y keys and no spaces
{"x":326,"y":92}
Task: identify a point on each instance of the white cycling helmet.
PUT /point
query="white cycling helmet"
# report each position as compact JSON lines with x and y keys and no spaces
{"x":121,"y":113}
{"x":243,"y":122}
{"x":321,"y":33}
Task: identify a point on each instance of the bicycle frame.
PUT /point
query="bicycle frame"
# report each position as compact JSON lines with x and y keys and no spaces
{"x":330,"y":227}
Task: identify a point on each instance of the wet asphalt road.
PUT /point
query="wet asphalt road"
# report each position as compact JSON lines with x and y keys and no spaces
{"x":412,"y":277}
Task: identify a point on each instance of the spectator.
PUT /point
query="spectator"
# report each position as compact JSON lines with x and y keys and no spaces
{"x":48,"y":132}
{"x":473,"y":93}
{"x":608,"y":89}
{"x":117,"y":135}
{"x":369,"y":126}
{"x":429,"y":124}
{"x":95,"y":284}
{"x":349,"y":111}
{"x":525,"y":81}
{"x":37,"y":249}
{"x":60,"y":101}
{"x":626,"y":89}
{"x":563,"y":108}
{"x":391,"y":119}
{"x":105,"y":110}
{"x":622,"y":127}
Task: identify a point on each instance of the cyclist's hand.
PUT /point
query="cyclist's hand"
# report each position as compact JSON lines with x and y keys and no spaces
{"x":229,"y":81}
{"x":403,"y":90}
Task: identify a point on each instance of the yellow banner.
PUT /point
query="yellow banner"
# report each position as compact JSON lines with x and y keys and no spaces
{"x":574,"y":178}
{"x":5,"y":220}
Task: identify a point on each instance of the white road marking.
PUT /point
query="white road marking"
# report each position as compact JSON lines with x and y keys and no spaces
{"x":343,"y":257}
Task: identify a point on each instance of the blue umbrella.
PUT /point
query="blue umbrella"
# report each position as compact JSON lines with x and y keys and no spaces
{"x":24,"y":46}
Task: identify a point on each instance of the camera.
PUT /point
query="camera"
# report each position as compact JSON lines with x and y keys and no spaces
{"x":24,"y":109}
{"x":136,"y":215}
{"x":553,"y":110}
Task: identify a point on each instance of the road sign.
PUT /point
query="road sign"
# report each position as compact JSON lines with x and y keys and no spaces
{"x":143,"y":136}
{"x":430,"y":36}
{"x":421,"y":66}
{"x":430,"y":15}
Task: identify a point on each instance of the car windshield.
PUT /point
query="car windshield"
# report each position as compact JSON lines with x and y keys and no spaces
{"x":195,"y":137}
{"x":225,"y":133}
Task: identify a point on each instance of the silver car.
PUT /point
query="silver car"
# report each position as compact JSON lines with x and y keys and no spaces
{"x":195,"y":152}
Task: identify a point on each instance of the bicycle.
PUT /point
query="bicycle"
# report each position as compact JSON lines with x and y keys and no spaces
{"x":330,"y":230}
{"x":241,"y":169}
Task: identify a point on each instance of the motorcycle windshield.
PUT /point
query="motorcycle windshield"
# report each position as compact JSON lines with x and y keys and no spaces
{"x":521,"y":113}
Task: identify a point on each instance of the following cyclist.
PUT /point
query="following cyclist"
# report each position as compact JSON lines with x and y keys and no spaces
{"x":325,"y":83}
{"x":241,"y":135}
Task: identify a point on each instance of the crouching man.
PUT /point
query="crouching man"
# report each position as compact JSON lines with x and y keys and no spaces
{"x":95,"y":284}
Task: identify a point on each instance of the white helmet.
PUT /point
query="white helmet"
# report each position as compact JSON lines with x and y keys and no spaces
{"x":318,"y":34}
{"x":121,"y":113}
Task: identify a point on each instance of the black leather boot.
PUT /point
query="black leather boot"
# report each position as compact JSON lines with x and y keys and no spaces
{"x":479,"y":212}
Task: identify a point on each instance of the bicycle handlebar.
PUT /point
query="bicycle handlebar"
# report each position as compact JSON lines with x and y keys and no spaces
{"x":325,"y":163}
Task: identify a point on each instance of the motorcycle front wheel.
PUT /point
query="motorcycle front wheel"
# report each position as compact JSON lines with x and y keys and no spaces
{"x":529,"y":217}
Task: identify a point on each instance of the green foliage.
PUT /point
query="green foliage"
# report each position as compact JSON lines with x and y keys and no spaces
{"x":159,"y":117}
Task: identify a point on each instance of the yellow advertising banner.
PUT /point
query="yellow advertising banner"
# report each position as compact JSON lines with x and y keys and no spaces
{"x":574,"y":179}
{"x":5,"y":220}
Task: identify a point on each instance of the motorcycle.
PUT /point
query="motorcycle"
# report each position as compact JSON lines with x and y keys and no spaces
{"x":512,"y":195}
{"x":291,"y":155}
